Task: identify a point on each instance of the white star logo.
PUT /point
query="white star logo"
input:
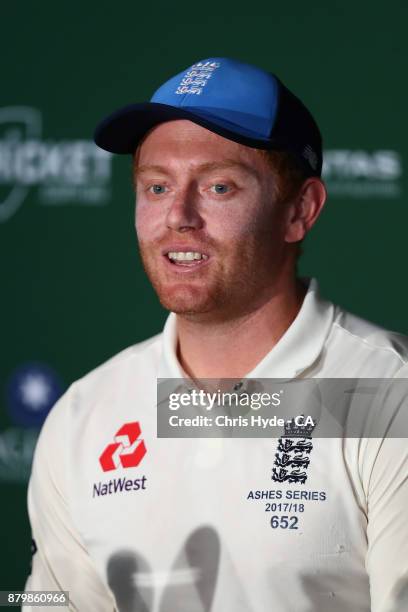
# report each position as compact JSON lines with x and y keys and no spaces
{"x":35,"y":391}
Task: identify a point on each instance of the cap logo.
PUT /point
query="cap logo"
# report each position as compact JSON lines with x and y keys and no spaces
{"x":196,"y":78}
{"x":310,"y":156}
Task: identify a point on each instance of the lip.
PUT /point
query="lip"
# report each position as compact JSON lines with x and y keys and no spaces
{"x":188,"y":268}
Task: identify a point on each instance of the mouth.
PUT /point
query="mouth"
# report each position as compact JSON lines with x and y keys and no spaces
{"x":186,"y":260}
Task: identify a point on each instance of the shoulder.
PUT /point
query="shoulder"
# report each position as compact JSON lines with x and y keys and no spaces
{"x":96,"y":395}
{"x":141,"y":356}
{"x":378,"y":351}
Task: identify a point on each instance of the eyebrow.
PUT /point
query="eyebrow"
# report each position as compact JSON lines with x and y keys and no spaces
{"x":202,"y":168}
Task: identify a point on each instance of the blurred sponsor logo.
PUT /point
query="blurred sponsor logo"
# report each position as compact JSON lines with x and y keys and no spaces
{"x":64,"y":172}
{"x":16,"y":453}
{"x":31,"y":392}
{"x":363,"y":174}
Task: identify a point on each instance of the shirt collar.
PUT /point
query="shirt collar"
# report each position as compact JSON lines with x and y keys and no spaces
{"x":295,"y":352}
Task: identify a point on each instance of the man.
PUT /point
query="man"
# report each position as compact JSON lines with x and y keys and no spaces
{"x":227,"y":166}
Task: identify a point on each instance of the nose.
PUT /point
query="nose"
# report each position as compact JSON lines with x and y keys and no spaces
{"x":183,"y":214}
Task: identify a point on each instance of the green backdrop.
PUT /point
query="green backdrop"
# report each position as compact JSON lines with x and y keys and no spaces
{"x":72,"y":289}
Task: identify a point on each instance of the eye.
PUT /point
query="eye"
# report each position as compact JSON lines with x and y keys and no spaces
{"x":157,"y":189}
{"x":220,"y":188}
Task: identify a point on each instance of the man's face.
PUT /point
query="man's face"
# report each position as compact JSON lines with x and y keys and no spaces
{"x":203,"y":196}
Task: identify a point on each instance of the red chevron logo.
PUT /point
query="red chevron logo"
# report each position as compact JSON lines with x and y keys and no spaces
{"x":126,"y":451}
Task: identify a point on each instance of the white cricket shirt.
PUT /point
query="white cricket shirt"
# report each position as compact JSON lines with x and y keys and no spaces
{"x":199,"y":524}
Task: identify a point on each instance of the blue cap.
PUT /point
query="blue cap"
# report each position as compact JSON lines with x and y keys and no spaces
{"x":235,"y":100}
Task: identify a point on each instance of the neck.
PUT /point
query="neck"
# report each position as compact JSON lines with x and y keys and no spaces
{"x":232,"y":348}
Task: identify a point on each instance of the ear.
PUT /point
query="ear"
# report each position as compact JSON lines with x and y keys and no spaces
{"x":305,"y":209}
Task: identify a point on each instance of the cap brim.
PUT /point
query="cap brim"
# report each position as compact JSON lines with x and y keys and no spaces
{"x":122,"y":131}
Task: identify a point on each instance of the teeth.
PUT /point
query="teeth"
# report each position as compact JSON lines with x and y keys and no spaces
{"x":183,"y":256}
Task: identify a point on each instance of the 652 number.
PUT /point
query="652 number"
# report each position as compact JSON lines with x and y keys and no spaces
{"x":284,"y":522}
